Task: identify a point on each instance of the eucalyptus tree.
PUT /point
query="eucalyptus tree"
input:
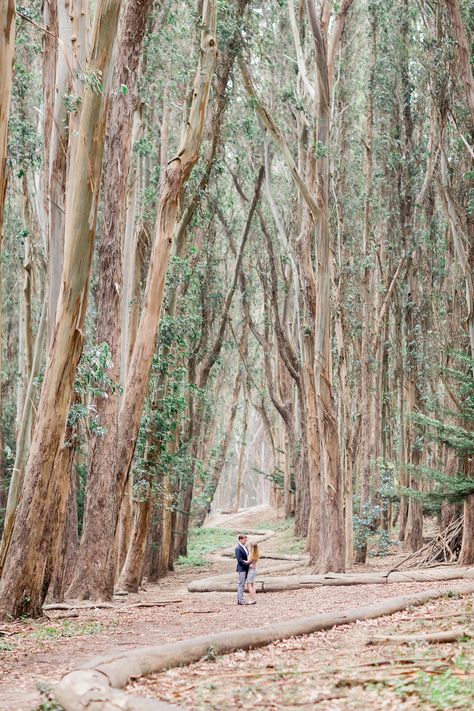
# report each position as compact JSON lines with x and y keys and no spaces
{"x":7,"y":47}
{"x":30,"y":557}
{"x":97,"y":581}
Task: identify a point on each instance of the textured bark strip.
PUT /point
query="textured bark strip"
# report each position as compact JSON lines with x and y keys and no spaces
{"x":18,"y":471}
{"x":24,"y":582}
{"x":177,"y":174}
{"x":463,"y":51}
{"x":75,"y":688}
{"x":7,"y":46}
{"x":95,"y":571}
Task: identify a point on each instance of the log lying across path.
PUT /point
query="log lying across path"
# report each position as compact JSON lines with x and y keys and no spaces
{"x":454,"y":635}
{"x":95,"y":686}
{"x":295,"y":582}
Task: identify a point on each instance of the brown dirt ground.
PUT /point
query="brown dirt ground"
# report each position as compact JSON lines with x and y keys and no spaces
{"x":36,"y":654}
{"x":335,"y":670}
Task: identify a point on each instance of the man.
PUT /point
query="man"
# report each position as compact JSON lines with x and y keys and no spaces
{"x":242,"y":555}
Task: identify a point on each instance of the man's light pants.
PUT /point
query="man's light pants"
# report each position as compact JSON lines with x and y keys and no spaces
{"x":240,"y":589}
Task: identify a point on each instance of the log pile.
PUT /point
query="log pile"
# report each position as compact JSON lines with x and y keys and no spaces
{"x":443,"y":548}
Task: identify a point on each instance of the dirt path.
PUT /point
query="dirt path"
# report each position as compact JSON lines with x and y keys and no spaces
{"x":34,"y":655}
{"x":336,"y":670}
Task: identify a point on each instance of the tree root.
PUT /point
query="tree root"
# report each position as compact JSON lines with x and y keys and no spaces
{"x":106,"y":605}
{"x":91,"y":687}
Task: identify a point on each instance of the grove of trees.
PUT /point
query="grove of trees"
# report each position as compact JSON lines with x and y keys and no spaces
{"x":237,"y":242}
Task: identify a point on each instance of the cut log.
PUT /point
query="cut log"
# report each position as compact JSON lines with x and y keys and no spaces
{"x":441,"y":637}
{"x":295,"y":582}
{"x":75,"y":689}
{"x":91,"y":690}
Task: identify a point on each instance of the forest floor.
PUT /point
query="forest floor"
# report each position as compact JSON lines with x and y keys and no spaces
{"x":331,"y":670}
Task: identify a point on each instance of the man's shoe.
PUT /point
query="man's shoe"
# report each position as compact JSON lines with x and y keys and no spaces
{"x":243,"y":603}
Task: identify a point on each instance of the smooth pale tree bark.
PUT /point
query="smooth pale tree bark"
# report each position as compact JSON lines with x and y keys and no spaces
{"x":93,"y":576}
{"x":412,"y":310}
{"x":224,"y":70}
{"x":460,"y":239}
{"x":24,"y":582}
{"x":134,"y":395}
{"x":25,"y":327}
{"x":369,"y":286}
{"x":332,"y":540}
{"x":132,"y":572}
{"x":129,"y":257}
{"x":242,"y":451}
{"x":58,"y":81}
{"x":24,"y":431}
{"x":7,"y":48}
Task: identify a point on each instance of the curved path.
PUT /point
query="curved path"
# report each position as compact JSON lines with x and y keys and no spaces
{"x":46,"y":660}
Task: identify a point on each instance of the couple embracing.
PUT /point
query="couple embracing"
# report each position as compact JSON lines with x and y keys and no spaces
{"x":247,"y":558}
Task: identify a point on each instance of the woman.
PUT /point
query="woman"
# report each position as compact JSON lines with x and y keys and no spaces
{"x":252,"y":563}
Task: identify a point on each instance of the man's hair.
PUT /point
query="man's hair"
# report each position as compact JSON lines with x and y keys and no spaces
{"x":242,"y":535}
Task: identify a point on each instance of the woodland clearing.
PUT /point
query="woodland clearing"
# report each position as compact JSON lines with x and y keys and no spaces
{"x":333,"y":669}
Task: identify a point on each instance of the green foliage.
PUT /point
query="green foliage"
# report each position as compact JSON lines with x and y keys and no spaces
{"x":286,"y":541}
{"x":49,"y":706}
{"x":442,"y":691}
{"x":365,"y":523}
{"x":202,"y":541}
{"x":47,"y":690}
{"x":66,"y":629}
{"x":453,"y":430}
{"x":72,"y":103}
{"x":211,"y":654}
{"x":92,"y":381}
{"x":92,"y":79}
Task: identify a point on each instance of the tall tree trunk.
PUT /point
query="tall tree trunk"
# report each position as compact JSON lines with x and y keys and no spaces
{"x":24,"y":582}
{"x":368,"y":295}
{"x":95,"y":568}
{"x":23,"y":434}
{"x":242,"y":452}
{"x":134,"y":395}
{"x":7,"y":48}
{"x":463,"y":48}
{"x":331,"y":554}
{"x":57,"y":73}
{"x":132,"y":572}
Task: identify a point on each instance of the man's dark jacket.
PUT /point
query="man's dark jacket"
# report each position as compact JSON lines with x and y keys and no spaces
{"x":241,"y":555}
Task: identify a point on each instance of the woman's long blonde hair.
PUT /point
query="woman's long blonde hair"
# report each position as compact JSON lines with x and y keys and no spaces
{"x":254,"y":554}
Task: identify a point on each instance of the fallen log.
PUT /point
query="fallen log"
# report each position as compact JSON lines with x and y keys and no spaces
{"x":454,"y":635}
{"x":106,"y":675}
{"x":106,"y":605}
{"x":66,"y":615}
{"x":231,"y":577}
{"x":295,"y":582}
